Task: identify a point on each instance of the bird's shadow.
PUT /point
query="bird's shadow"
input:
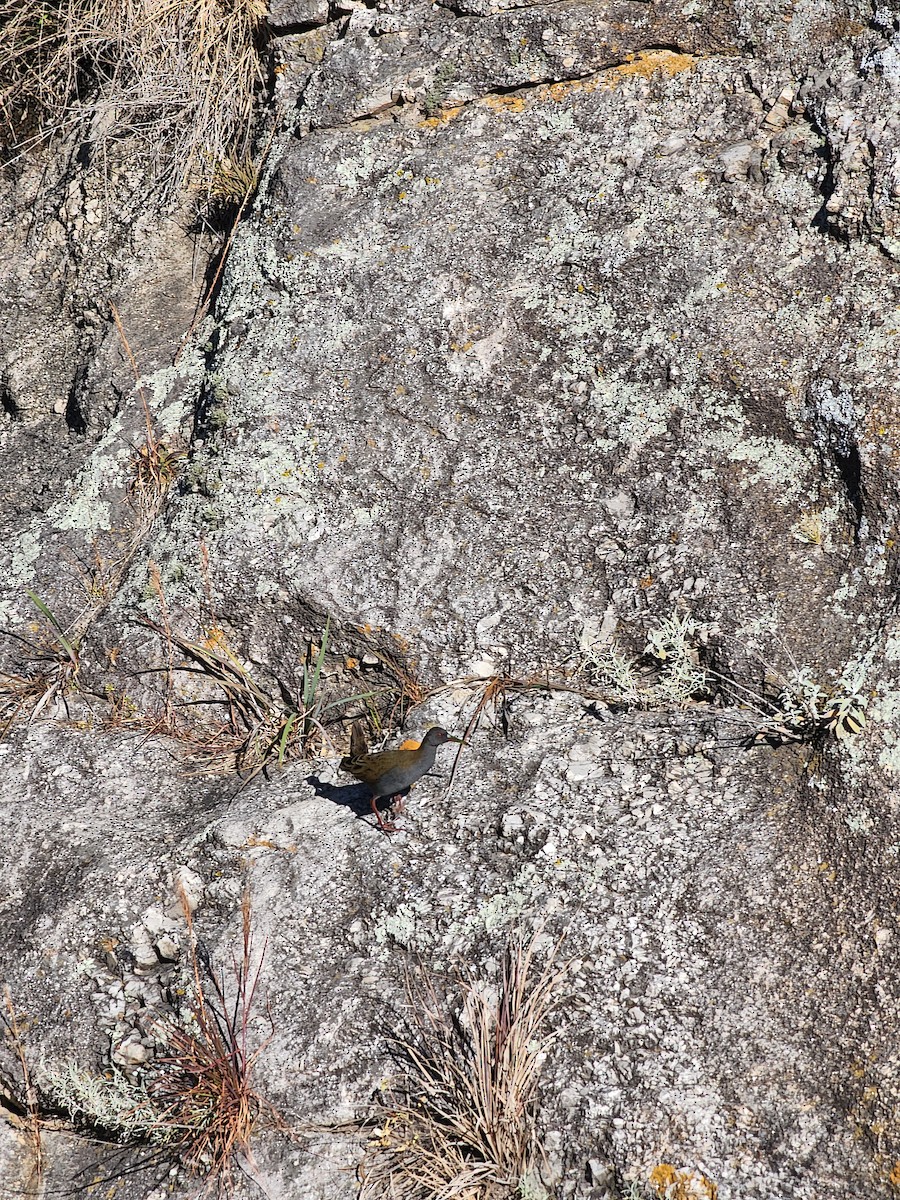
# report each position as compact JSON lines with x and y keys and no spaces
{"x":355,"y":796}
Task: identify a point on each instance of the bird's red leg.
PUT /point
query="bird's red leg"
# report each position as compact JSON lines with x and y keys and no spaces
{"x":385,"y":826}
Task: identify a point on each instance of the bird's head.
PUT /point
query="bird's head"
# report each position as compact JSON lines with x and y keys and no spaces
{"x":437,"y":735}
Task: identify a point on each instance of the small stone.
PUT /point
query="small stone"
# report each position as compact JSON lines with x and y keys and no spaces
{"x":551,"y":1169}
{"x":141,"y":948}
{"x":578,"y":771}
{"x":188,"y":885}
{"x":580,"y":752}
{"x":674,"y":142}
{"x":166,"y":948}
{"x":779,"y":114}
{"x":620,"y":504}
{"x":598,"y":1173}
{"x":736,"y":161}
{"x":131,"y":1052}
{"x":483,"y":668}
{"x":512,"y":825}
{"x":156,"y":922}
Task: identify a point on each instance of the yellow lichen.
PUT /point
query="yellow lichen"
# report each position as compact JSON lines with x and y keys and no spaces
{"x":670,"y":1184}
{"x":810,"y":529}
{"x":441,"y":117}
{"x":504,"y":103}
{"x":563,"y":89}
{"x":645,"y":62}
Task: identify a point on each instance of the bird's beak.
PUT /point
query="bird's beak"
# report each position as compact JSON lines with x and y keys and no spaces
{"x":462,"y":741}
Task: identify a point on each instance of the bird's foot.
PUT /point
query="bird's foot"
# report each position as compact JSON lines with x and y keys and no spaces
{"x":383,"y":825}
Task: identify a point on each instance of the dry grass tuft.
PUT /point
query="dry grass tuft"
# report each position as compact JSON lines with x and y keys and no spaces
{"x":155,"y":464}
{"x":233,"y":179}
{"x":25,"y":1116}
{"x":195,"y":1104}
{"x":460,"y":1119}
{"x":28,"y":693}
{"x":172,"y":80}
{"x":202,"y":1088}
{"x":47,"y":670}
{"x":262,"y":730}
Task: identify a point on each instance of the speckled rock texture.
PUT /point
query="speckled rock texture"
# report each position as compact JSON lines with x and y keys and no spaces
{"x":548,"y":325}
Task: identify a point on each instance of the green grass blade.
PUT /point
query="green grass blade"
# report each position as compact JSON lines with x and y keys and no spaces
{"x":66,"y":644}
{"x":285,"y":734}
{"x":311,"y":680}
{"x":45,"y":610}
{"x":358,"y":696}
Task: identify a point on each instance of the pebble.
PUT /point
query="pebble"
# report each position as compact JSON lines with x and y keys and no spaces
{"x":674,"y":142}
{"x":483,"y":668}
{"x":600,"y":1174}
{"x":131,"y":1052}
{"x":156,"y":921}
{"x":578,"y":771}
{"x":144,"y":954}
{"x":166,"y":948}
{"x":736,"y":160}
{"x":190,"y":884}
{"x":512,"y":825}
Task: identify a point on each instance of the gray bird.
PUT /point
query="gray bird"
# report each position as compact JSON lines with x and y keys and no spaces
{"x":392,"y":772}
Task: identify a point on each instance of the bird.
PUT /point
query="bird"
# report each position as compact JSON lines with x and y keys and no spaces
{"x":392,"y":772}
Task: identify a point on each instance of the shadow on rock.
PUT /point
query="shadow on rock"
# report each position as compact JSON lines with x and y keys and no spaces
{"x":355,"y":796}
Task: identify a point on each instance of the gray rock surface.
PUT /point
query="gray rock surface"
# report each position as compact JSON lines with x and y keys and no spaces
{"x":550,"y":324}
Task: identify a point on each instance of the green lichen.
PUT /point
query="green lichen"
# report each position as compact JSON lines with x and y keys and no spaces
{"x":27,"y":551}
{"x":784,"y":467}
{"x":444,"y":76}
{"x":88,"y":511}
{"x":107,"y":470}
{"x":403,"y":925}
